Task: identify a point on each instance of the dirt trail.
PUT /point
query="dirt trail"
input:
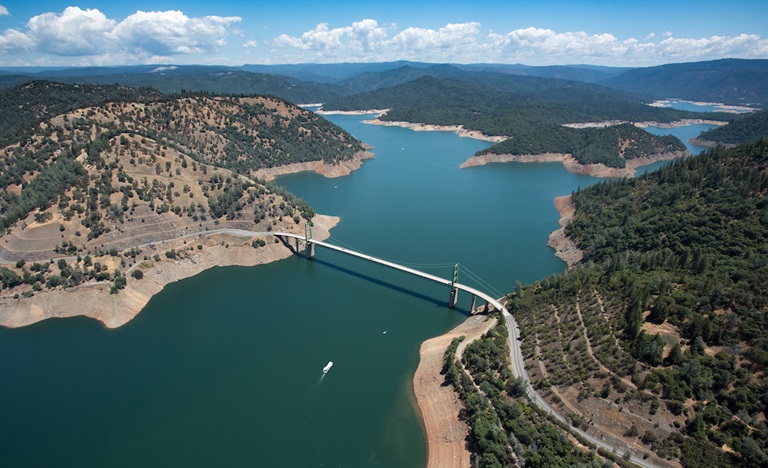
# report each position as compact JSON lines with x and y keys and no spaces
{"x":439,"y":404}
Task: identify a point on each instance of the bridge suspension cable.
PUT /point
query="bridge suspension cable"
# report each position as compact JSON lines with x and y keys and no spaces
{"x":475,"y":277}
{"x":409,"y":264}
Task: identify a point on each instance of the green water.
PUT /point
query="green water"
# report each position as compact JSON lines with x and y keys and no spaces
{"x":224,"y":369}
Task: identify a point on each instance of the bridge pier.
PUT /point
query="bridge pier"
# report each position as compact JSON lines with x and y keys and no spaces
{"x":454,"y":297}
{"x":310,"y":250}
{"x":472,"y":307}
{"x":298,"y":249}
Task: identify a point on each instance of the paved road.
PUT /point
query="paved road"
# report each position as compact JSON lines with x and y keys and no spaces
{"x":515,"y":353}
{"x":518,"y":370}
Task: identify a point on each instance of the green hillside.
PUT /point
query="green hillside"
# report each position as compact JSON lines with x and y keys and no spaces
{"x":23,"y":106}
{"x":731,"y":81}
{"x":666,"y":314}
{"x":76,"y":134}
{"x":611,"y":146}
{"x":747,"y":128}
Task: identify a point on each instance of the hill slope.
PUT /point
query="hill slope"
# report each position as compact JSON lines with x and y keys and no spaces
{"x":108,"y":170}
{"x":657,"y":337}
{"x":612,"y":146}
{"x":747,"y":128}
{"x":729,"y":81}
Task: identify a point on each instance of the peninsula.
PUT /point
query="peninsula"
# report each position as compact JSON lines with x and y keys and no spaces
{"x":105,"y":203}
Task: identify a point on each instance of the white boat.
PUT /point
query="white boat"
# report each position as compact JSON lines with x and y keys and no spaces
{"x":327,"y":367}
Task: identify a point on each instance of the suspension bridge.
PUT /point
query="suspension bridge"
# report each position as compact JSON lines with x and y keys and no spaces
{"x":309,"y":250}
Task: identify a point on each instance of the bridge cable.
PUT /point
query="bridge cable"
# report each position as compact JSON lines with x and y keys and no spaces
{"x":486,"y":285}
{"x":475,"y":277}
{"x":408,"y":264}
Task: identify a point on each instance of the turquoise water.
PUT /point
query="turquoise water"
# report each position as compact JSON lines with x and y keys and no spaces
{"x":687,"y":132}
{"x":225,"y":368}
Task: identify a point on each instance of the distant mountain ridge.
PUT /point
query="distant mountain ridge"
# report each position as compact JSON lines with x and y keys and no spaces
{"x":730,"y":81}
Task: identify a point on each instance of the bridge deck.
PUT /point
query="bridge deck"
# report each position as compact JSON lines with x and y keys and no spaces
{"x":495,"y":303}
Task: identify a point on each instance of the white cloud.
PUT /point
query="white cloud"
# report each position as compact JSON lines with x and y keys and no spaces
{"x":4,"y":11}
{"x":77,"y":32}
{"x":74,"y":32}
{"x":88,"y":36}
{"x":466,"y":42}
{"x":362,"y":37}
{"x":367,"y":40}
{"x":172,"y":32}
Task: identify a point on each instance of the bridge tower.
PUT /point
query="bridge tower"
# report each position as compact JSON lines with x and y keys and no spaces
{"x":454,"y":297}
{"x":308,"y":239}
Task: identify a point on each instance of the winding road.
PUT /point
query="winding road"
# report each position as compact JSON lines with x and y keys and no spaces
{"x":515,"y":353}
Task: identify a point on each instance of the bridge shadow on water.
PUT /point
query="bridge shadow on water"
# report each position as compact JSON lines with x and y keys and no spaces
{"x":424,"y":297}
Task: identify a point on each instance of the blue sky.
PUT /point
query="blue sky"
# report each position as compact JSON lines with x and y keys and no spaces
{"x":616,"y":33}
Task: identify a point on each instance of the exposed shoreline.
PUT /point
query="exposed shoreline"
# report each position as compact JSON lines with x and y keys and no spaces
{"x":720,"y":106}
{"x":565,"y":249}
{"x":709,"y":143}
{"x":648,"y":123}
{"x":572,"y":165}
{"x":352,"y":112}
{"x":438,"y":404}
{"x":422,"y":127}
{"x":343,"y":168}
{"x":114,"y":310}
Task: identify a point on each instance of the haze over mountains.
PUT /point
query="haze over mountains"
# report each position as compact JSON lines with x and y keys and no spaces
{"x":731,"y":81}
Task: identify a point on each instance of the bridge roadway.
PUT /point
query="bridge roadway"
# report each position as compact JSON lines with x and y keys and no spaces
{"x":421,"y":274}
{"x":515,"y":353}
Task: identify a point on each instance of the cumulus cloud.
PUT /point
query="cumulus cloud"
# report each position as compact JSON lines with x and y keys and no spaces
{"x":4,"y":11}
{"x":250,"y":44}
{"x":572,"y":47}
{"x":78,"y":32}
{"x":361,"y":37}
{"x":466,"y":42}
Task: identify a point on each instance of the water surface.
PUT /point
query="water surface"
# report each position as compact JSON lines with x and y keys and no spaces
{"x":225,"y":368}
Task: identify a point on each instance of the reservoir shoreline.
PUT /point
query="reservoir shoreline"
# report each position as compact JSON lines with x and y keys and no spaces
{"x":95,"y":300}
{"x":572,"y":165}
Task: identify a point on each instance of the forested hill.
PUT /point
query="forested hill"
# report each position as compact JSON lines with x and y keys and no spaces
{"x":612,"y":146}
{"x":24,"y":106}
{"x":530,"y":111}
{"x":659,"y":334}
{"x":174,"y":80}
{"x":146,"y":149}
{"x":731,"y":81}
{"x":505,"y":105}
{"x":742,"y":130}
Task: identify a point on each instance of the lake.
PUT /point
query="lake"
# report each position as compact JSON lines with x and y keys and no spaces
{"x":225,"y":368}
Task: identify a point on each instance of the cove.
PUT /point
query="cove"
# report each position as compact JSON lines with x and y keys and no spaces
{"x":225,"y":368}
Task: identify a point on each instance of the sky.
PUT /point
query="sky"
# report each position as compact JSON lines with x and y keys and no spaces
{"x":52,"y":33}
